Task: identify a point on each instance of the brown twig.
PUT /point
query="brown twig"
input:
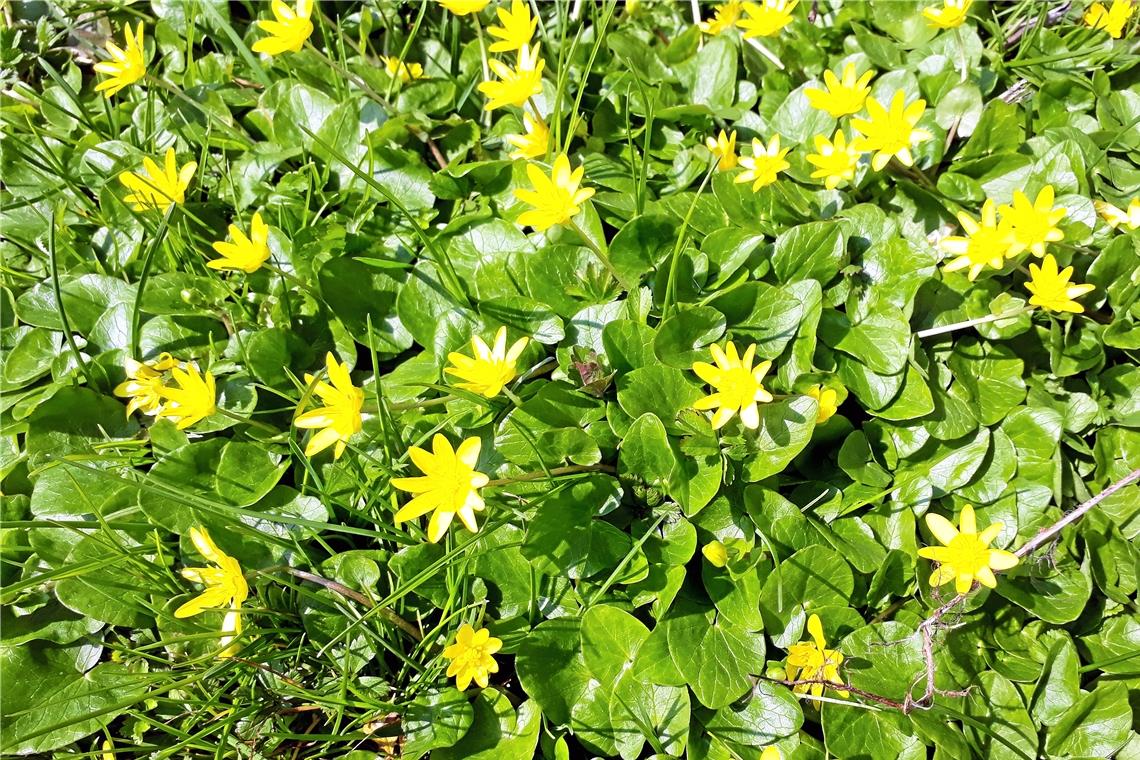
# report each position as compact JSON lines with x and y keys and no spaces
{"x":355,"y":596}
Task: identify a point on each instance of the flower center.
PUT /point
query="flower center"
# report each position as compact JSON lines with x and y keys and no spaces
{"x":987,"y":244}
{"x":738,"y":387}
{"x":969,"y":554}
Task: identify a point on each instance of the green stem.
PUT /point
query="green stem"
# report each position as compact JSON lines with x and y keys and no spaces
{"x":248,"y":421}
{"x":554,"y":472}
{"x":597,"y":251}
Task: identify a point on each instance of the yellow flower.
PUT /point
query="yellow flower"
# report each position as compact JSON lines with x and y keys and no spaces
{"x":1034,"y":224}
{"x":144,"y":384}
{"x":890,"y":134}
{"x":716,"y":553}
{"x":450,"y":486}
{"x":127,"y":65}
{"x":723,"y":148}
{"x":289,"y":32}
{"x":986,"y":244}
{"x":225,"y":588}
{"x":835,"y":160}
{"x":517,"y":28}
{"x":1111,"y":20}
{"x":771,"y":753}
{"x":966,"y":555}
{"x":767,"y":17}
{"x":471,"y":657}
{"x":108,"y":749}
{"x":813,"y":661}
{"x":827,"y":398}
{"x":737,"y":383}
{"x":491,"y":369}
{"x":951,"y":14}
{"x":463,"y":7}
{"x":1117,"y":217}
{"x":244,"y":253}
{"x":192,"y":401}
{"x":725,"y":17}
{"x":340,"y":417}
{"x":517,"y":85}
{"x":844,"y":95}
{"x":1052,"y":290}
{"x":533,"y":144}
{"x":557,"y":198}
{"x":158,"y":188}
{"x":764,"y":164}
{"x":405,"y":72}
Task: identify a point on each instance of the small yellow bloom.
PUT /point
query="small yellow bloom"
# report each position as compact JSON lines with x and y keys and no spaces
{"x":405,"y":72}
{"x":127,"y":64}
{"x":966,"y":555}
{"x":1052,"y":290}
{"x":491,"y":369}
{"x":828,"y":402}
{"x":723,"y":148}
{"x":844,"y":95}
{"x":835,"y":160}
{"x":471,"y":657}
{"x":144,"y":384}
{"x":985,"y":244}
{"x":766,"y":17}
{"x":1034,"y":224}
{"x":716,"y":553}
{"x":951,"y":14}
{"x":557,"y":198}
{"x":463,"y":7}
{"x":225,"y":588}
{"x":1111,"y":20}
{"x":764,"y":164}
{"x":340,"y":417}
{"x":289,"y":32}
{"x":158,"y":188}
{"x":246,"y":254}
{"x":738,"y":385}
{"x":890,"y":134}
{"x":517,"y":28}
{"x":724,"y":17}
{"x":517,"y":85}
{"x":534,"y":143}
{"x":813,"y":661}
{"x":449,"y":486}
{"x":771,"y":753}
{"x":108,"y":749}
{"x":194,"y":399}
{"x":1117,"y":217}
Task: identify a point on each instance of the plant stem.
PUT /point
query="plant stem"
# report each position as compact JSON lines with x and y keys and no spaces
{"x":568,"y":470}
{"x":940,"y":330}
{"x":597,"y":251}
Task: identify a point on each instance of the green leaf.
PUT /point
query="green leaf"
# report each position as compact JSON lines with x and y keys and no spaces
{"x":498,"y":731}
{"x":1006,"y":730}
{"x":881,"y":340}
{"x":770,"y":713}
{"x":1096,"y":726}
{"x":862,"y":733}
{"x":641,"y":245}
{"x":659,"y":390}
{"x":435,"y":719}
{"x":683,"y":337}
{"x":1059,"y":686}
{"x":551,"y":667}
{"x":813,"y":251}
{"x":785,"y":429}
{"x":714,"y":655}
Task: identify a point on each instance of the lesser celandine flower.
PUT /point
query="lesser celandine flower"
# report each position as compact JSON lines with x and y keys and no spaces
{"x":724,"y":17}
{"x":844,"y":95}
{"x":966,"y":555}
{"x":986,"y":243}
{"x":557,"y":198}
{"x":143,"y":385}
{"x":289,"y":32}
{"x":764,"y":164}
{"x":723,"y":148}
{"x":1111,"y":19}
{"x":766,"y":18}
{"x":1052,"y":290}
{"x":517,"y":28}
{"x":835,"y":160}
{"x":534,"y":143}
{"x":1117,"y":217}
{"x":491,"y":368}
{"x":225,"y":588}
{"x":194,"y":399}
{"x":949,"y":15}
{"x":127,"y":64}
{"x":449,"y":486}
{"x":339,"y":418}
{"x":463,"y":7}
{"x":517,"y":85}
{"x":471,"y":657}
{"x":891,"y":133}
{"x":716,"y":553}
{"x":771,"y":753}
{"x":1034,"y":224}
{"x":813,"y":661}
{"x":738,"y":385}
{"x":156,"y":187}
{"x":405,"y":72}
{"x":828,"y":402}
{"x":245,"y":254}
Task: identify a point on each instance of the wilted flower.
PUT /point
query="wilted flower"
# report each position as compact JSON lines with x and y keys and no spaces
{"x":534,"y":143}
{"x":813,"y":661}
